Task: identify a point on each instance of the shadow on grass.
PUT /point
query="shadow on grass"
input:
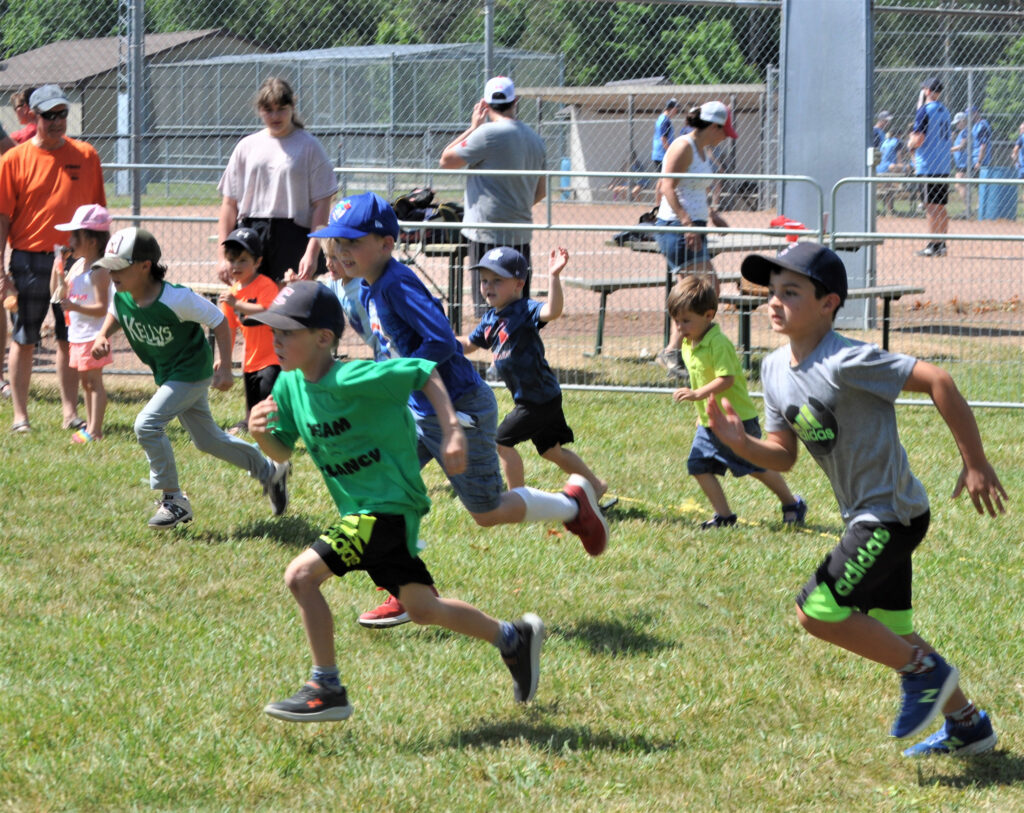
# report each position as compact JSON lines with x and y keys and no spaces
{"x":987,"y":770}
{"x":615,"y":637}
{"x":293,"y":532}
{"x":554,"y":738}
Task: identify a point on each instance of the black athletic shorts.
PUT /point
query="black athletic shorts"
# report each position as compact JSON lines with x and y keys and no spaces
{"x":259,"y":384}
{"x":284,"y":243}
{"x":869,"y":571}
{"x":376,"y":544}
{"x":544,"y":424}
{"x":30,"y":273}
{"x":936,"y":193}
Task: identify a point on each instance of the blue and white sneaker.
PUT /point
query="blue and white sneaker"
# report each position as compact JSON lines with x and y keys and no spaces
{"x":796,"y":513}
{"x":924,"y":696}
{"x":958,"y":740}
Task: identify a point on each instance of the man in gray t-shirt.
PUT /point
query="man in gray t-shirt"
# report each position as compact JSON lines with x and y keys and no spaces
{"x":496,"y":139}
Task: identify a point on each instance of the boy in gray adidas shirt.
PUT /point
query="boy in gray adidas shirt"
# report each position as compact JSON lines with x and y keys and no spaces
{"x":836,"y":395}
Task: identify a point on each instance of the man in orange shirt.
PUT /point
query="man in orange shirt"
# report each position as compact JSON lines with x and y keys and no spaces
{"x":42,"y":182}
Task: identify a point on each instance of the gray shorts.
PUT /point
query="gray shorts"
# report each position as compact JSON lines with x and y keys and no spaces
{"x":481,"y":486}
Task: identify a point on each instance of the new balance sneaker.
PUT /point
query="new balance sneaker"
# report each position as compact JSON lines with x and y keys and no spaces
{"x":958,"y":739}
{"x":718,"y":521}
{"x":276,"y":488}
{"x":794,"y":514}
{"x":589,"y":524}
{"x":672,"y":361}
{"x":933,"y":250}
{"x":524,"y":663}
{"x":170,"y":513}
{"x":389,"y":614}
{"x":924,"y":695}
{"x":312,"y":703}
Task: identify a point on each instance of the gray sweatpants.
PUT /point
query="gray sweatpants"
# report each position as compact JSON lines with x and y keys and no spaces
{"x":187,"y":401}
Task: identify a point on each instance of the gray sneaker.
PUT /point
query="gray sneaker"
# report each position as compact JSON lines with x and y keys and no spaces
{"x":276,"y":488}
{"x":524,"y":663}
{"x":672,"y":361}
{"x":170,"y":513}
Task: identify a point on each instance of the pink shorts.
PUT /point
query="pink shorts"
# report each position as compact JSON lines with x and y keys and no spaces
{"x":80,"y":357}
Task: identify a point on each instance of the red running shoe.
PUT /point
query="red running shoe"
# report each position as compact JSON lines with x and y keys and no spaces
{"x":389,"y":614}
{"x":589,"y":524}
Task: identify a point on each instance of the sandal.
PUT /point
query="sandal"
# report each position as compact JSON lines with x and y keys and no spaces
{"x":5,"y":389}
{"x":75,"y":425}
{"x":21,"y":427}
{"x":82,"y":436}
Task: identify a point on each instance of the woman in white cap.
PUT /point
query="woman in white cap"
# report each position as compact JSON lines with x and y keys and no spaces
{"x":685,"y":203}
{"x":279,"y":182}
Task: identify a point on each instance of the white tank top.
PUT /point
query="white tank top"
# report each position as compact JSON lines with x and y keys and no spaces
{"x":82,"y":328}
{"x":692,"y":195}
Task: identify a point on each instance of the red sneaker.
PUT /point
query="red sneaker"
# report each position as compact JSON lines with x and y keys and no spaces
{"x":589,"y":524}
{"x":389,"y":614}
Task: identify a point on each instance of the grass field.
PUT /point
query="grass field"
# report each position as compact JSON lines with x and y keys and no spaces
{"x":135,"y":666}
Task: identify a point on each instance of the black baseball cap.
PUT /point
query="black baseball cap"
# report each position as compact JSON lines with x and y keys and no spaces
{"x":299,"y":305}
{"x":246,"y":239}
{"x":932,"y":83}
{"x":505,"y":262}
{"x":810,"y":259}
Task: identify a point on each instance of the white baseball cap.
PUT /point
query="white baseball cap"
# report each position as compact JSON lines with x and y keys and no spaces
{"x":47,"y":97}
{"x":499,"y":90}
{"x":718,"y":113}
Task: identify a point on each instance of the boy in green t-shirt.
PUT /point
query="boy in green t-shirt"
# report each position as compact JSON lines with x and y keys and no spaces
{"x":166,"y":327}
{"x":355,"y":422}
{"x":715,"y":370}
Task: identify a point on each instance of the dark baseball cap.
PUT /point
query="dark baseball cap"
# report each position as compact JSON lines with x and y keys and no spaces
{"x":299,"y":305}
{"x":505,"y":262}
{"x":932,"y":83}
{"x":810,"y":259}
{"x":246,"y":239}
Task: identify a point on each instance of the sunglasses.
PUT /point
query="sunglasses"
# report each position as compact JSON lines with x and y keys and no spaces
{"x":52,"y":115}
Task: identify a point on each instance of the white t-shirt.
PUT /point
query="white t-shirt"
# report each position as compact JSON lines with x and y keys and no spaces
{"x":278,"y":177}
{"x":81,"y":327}
{"x":692,"y":195}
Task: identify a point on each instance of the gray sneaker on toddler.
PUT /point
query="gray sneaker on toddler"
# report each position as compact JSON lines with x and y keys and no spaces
{"x":170,"y":513}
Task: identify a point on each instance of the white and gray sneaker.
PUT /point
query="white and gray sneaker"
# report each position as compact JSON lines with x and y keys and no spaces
{"x":170,"y":513}
{"x":276,"y":487}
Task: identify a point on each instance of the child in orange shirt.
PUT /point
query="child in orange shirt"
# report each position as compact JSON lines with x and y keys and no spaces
{"x":250,"y":294}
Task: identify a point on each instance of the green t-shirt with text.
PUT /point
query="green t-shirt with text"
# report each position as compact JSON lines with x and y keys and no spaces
{"x":356,"y":424}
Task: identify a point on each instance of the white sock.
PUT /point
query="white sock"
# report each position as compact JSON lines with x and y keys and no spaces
{"x":543,"y":505}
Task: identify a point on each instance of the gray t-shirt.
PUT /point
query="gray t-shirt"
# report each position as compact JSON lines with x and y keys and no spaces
{"x":840,"y":403}
{"x":504,"y":144}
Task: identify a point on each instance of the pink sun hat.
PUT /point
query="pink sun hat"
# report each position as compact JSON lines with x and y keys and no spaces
{"x":92,"y":216}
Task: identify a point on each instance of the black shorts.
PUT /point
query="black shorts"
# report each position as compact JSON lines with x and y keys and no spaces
{"x":259,"y":383}
{"x":869,"y":570}
{"x":30,"y":273}
{"x":936,"y":193}
{"x":284,"y":243}
{"x":376,"y":544}
{"x":544,"y":424}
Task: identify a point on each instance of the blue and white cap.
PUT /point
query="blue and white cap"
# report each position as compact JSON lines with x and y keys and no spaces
{"x":360,"y":215}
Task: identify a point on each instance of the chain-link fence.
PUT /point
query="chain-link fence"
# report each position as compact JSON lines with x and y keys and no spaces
{"x":388,"y":85}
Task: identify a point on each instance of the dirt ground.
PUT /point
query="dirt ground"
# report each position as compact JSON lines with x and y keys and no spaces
{"x":976,"y":289}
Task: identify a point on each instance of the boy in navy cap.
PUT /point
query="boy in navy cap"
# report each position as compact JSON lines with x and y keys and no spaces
{"x":355,"y":422}
{"x":408,"y":322}
{"x":250,"y":293}
{"x":836,"y":396}
{"x":510,"y":329}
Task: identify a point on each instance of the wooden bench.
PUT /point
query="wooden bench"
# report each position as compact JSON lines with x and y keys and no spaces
{"x":608,"y":286}
{"x":746,"y":304}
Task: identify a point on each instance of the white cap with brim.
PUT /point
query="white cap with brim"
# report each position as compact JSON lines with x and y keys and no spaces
{"x":47,"y":97}
{"x":131,"y":245}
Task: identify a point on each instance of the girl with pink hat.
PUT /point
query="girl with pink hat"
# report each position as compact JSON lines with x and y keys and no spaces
{"x":83,"y":293}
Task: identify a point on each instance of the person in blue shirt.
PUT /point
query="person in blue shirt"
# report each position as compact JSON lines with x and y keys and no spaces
{"x":510,"y":329}
{"x":878,"y":132}
{"x":889,"y":160}
{"x":959,"y":150}
{"x":407,"y":322}
{"x":661,"y":139}
{"x":930,"y":140}
{"x":981,"y":140}
{"x":1018,"y":151}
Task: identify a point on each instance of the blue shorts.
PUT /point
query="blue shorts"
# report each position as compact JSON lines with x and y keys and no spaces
{"x":673,"y":246}
{"x":481,"y":486}
{"x":708,"y":455}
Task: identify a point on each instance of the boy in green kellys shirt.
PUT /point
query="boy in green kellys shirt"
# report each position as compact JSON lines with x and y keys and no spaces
{"x":355,"y":422}
{"x":166,"y":326}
